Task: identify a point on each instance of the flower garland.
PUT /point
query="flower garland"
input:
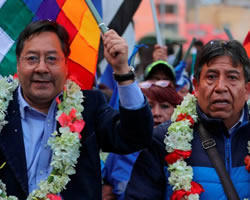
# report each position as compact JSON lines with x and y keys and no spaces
{"x":178,"y":145}
{"x":65,"y":145}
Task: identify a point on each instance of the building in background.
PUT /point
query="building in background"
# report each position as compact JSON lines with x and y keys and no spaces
{"x":203,"y":19}
{"x":171,"y":16}
{"x":218,"y":14}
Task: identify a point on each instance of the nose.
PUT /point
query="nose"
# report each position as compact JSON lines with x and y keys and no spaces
{"x":156,"y":111}
{"x":221,"y":85}
{"x":42,"y":67}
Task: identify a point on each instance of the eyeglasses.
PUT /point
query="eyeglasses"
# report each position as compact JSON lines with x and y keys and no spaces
{"x":33,"y":60}
{"x":161,"y":83}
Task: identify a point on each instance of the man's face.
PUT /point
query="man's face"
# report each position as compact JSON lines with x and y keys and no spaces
{"x":222,"y":91}
{"x":41,"y":81}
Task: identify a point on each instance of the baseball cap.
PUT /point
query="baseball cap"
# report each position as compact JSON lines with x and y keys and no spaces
{"x":162,"y":65}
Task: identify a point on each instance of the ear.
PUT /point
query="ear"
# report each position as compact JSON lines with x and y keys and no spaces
{"x":247,"y":91}
{"x":195,"y":84}
{"x":17,"y":65}
{"x":66,"y":67}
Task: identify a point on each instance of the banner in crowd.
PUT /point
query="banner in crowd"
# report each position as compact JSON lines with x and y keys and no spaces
{"x":74,"y":15}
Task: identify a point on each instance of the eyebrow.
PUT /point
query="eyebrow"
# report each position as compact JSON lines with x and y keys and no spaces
{"x":228,"y":72}
{"x":233,"y":71}
{"x":31,"y":52}
{"x":38,"y":52}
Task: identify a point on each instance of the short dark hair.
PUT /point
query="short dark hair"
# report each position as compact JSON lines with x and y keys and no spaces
{"x":218,"y":48}
{"x":37,"y":27}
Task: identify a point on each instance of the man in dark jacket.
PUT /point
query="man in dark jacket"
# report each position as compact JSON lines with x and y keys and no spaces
{"x":33,"y":115}
{"x":221,"y":87}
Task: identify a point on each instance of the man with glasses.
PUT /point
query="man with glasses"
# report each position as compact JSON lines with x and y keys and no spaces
{"x":46,"y":107}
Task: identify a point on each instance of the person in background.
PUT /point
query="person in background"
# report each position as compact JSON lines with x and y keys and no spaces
{"x":185,"y":88}
{"x":160,"y":53}
{"x":160,"y":70}
{"x":162,"y":98}
{"x":165,"y":53}
{"x":177,"y":161}
{"x":51,"y":131}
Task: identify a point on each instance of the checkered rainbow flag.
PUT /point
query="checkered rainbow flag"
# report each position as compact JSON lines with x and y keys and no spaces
{"x":74,"y":15}
{"x":246,"y":44}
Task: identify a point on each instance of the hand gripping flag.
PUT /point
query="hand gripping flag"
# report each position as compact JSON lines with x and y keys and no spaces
{"x":74,"y":15}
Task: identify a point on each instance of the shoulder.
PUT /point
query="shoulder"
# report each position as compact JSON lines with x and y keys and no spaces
{"x":93,"y":93}
{"x":93,"y":96}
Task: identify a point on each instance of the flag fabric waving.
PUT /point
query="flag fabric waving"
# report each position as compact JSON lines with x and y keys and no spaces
{"x":74,"y":15}
{"x":118,"y":14}
{"x":246,"y":44}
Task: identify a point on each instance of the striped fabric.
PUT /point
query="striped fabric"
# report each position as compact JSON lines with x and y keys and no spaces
{"x":74,"y":15}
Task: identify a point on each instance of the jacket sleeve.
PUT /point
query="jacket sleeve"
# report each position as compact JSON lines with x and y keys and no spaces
{"x":148,"y":179}
{"x":125,"y":131}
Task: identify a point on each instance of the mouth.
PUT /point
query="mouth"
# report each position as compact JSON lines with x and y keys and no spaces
{"x":41,"y":83}
{"x":220,"y":102}
{"x":157,"y":123}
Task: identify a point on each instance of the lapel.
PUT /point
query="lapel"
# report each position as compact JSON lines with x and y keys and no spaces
{"x":12,"y":144}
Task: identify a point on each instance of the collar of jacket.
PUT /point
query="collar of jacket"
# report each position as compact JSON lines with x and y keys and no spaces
{"x":217,"y":125}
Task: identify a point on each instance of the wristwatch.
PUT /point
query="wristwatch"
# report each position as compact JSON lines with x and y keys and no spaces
{"x":125,"y":77}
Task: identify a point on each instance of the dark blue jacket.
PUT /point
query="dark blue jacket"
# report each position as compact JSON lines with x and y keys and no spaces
{"x":105,"y":129}
{"x":149,"y":176}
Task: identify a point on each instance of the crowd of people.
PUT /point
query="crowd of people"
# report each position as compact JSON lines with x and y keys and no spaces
{"x":174,"y":137}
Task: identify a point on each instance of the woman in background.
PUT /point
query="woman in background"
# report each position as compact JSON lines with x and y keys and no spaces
{"x":162,"y":98}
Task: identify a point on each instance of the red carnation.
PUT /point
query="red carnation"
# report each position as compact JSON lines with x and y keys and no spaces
{"x":176,"y":155}
{"x":71,"y":121}
{"x":196,"y":188}
{"x":53,"y":197}
{"x":178,"y":195}
{"x":185,"y":116}
{"x":15,"y":76}
{"x":247,"y":162}
{"x":58,"y":101}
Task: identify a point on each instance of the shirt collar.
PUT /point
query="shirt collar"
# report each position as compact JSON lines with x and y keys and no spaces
{"x":24,"y":105}
{"x":238,"y":123}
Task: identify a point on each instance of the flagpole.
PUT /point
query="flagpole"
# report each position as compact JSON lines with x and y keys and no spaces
{"x":228,"y":32}
{"x":157,"y":28}
{"x":97,"y":17}
{"x":162,"y":19}
{"x":189,"y":49}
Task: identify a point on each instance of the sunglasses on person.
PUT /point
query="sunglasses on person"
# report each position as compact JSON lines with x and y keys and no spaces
{"x":161,"y":83}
